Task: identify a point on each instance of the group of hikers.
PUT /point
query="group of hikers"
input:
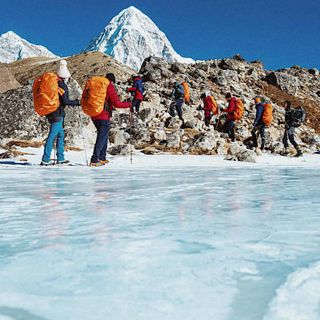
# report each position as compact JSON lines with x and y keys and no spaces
{"x":99,"y":98}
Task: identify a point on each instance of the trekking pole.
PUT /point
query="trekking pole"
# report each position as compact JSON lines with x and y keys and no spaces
{"x":83,"y":138}
{"x":129,"y":99}
{"x":130,"y":121}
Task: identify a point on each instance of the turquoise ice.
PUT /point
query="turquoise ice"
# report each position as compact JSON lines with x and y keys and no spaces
{"x":167,"y":243}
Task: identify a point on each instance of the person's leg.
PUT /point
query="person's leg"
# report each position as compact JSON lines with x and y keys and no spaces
{"x":232,"y":135}
{"x":60,"y":143}
{"x":262,"y":135}
{"x":134,"y":105}
{"x":54,"y":129}
{"x":172,"y":109}
{"x":254,"y":137}
{"x":179,"y":104}
{"x":207,"y":118}
{"x":99,"y":142}
{"x":293,"y":142}
{"x":285,"y":139}
{"x":291,"y":138}
{"x":105,"y":127}
{"x":137,"y":105}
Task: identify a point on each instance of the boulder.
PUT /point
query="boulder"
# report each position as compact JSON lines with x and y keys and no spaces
{"x":7,"y":80}
{"x":173,"y":140}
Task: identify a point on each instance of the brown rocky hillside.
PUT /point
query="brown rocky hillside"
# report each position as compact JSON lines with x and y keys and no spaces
{"x":82,"y":67}
{"x":216,"y":77}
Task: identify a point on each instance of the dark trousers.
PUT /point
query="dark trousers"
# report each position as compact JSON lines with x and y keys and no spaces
{"x":136,"y":105}
{"x":289,"y":135}
{"x":260,"y":127}
{"x":229,"y":128}
{"x":176,"y":106}
{"x":207,"y":120}
{"x":100,"y":148}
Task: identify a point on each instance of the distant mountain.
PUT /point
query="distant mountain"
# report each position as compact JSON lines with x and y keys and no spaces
{"x":131,"y":36}
{"x":13,"y":47}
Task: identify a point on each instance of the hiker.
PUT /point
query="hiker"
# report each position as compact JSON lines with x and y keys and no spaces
{"x":176,"y":105}
{"x":289,"y":130}
{"x":137,"y":90}
{"x":258,"y":124}
{"x":102,"y":122}
{"x":210,"y":108}
{"x":56,"y":118}
{"x":229,"y":124}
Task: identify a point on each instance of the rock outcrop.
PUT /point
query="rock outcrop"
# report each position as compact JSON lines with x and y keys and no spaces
{"x":146,"y":132}
{"x":7,"y":80}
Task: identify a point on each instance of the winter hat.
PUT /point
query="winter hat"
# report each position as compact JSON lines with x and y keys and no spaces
{"x":63,"y":71}
{"x":257,"y":100}
{"x":228,"y":95}
{"x":111,"y":77}
{"x":203,"y":95}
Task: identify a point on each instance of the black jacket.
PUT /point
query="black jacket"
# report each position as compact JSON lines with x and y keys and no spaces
{"x":64,"y":101}
{"x":289,"y":118}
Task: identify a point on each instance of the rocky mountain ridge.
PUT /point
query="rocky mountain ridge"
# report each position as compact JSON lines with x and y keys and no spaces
{"x":13,"y":48}
{"x":148,"y":134}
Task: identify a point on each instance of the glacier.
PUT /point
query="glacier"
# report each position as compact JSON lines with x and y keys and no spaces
{"x":13,"y":47}
{"x":131,"y":37}
{"x":167,"y":242}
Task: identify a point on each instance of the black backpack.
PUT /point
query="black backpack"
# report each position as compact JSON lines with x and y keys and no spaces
{"x":298,"y":117}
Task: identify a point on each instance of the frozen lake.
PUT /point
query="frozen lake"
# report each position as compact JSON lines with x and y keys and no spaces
{"x":168,"y":243}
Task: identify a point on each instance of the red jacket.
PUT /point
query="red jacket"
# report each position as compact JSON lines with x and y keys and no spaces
{"x":208,"y":106}
{"x":113,"y":101}
{"x":231,"y":108}
{"x":138,"y":95}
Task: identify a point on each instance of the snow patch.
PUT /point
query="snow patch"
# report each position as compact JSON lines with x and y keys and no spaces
{"x":299,"y":297}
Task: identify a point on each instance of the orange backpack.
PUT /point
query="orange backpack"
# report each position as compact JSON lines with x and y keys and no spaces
{"x":214,"y":105}
{"x":46,"y":94}
{"x":94,"y":96}
{"x":267,"y":116}
{"x":239,"y":110}
{"x":186,"y":92}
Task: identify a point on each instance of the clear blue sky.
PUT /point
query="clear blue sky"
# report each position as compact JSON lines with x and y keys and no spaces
{"x":281,"y":33}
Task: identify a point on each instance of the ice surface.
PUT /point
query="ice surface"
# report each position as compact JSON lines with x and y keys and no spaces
{"x":160,"y":243}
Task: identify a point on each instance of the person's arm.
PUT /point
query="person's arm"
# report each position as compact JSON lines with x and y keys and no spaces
{"x":132,"y":89}
{"x":114,"y":99}
{"x":258,"y":114}
{"x":180,"y":90}
{"x":231,"y":107}
{"x":64,"y":98}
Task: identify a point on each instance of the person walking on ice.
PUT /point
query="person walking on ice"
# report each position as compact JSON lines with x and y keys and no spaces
{"x":56,"y":118}
{"x":258,"y":125}
{"x":293,"y":119}
{"x":99,"y":98}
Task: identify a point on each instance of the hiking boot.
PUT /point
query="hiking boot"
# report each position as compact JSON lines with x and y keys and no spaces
{"x":63,"y":161}
{"x":45,"y":163}
{"x":299,"y":154}
{"x":284,"y":152}
{"x":96,"y":164}
{"x":103,"y":162}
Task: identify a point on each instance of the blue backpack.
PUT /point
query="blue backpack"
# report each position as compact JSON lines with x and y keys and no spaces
{"x":139,"y":85}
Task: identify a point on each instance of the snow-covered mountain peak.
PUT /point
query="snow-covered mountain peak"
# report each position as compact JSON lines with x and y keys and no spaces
{"x":13,"y":47}
{"x":131,"y":36}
